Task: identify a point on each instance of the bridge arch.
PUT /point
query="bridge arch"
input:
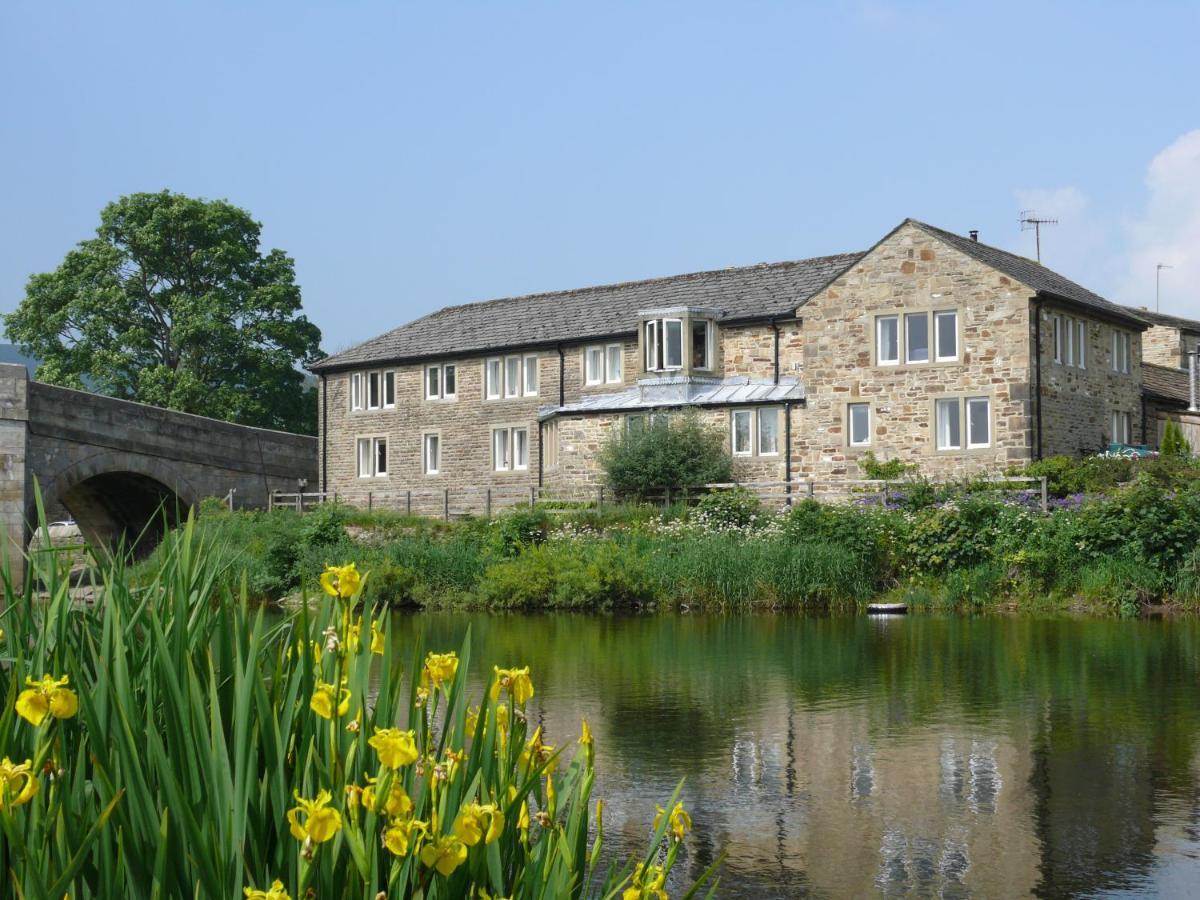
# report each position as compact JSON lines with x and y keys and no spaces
{"x":114,"y":496}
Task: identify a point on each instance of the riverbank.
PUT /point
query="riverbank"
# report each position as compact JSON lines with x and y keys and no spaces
{"x":1121,"y":548}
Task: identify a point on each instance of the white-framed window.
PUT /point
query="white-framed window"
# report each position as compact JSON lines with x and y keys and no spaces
{"x":372,"y":456}
{"x":374,"y":390}
{"x":1120,"y":427}
{"x":531,"y":375}
{"x":613,"y":354}
{"x":1069,"y":351}
{"x":651,"y":341}
{"x":916,"y":338}
{"x":742,"y":430}
{"x":389,"y":389}
{"x":431,"y":453}
{"x":768,"y":431}
{"x":948,"y":422}
{"x":979,"y":422}
{"x":945,"y":335}
{"x":702,"y":350}
{"x":593,"y":365}
{"x":356,"y":391}
{"x":858,"y":424}
{"x":520,"y":449}
{"x":1081,"y":343}
{"x":441,"y":382}
{"x":887,"y":340}
{"x":1120,"y":351}
{"x":493,"y":374}
{"x":510,"y":449}
{"x":1058,"y":338}
{"x":550,"y":444}
{"x":512,"y":377}
{"x":664,"y":344}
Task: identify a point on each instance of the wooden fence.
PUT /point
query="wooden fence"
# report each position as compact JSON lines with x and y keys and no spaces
{"x":457,"y":502}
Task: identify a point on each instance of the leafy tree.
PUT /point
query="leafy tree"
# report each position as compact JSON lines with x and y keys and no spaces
{"x":678,"y":453}
{"x":172,"y":303}
{"x":1174,"y":444}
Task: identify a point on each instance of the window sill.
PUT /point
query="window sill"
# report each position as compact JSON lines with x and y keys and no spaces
{"x":917,"y":367}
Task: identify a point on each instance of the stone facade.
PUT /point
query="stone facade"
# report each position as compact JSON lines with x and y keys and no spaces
{"x":1168,"y":346}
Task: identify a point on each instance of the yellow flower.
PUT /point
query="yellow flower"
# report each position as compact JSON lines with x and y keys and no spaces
{"x":469,"y":826}
{"x":522,"y":811}
{"x":446,"y":855}
{"x":680,"y":823}
{"x":275,"y":892}
{"x":398,"y":802}
{"x":516,"y":681}
{"x":396,"y":748}
{"x":586,"y":737}
{"x":440,"y":669}
{"x":377,"y":642}
{"x":17,"y":783}
{"x":502,"y":721}
{"x":320,"y":822}
{"x":647,"y":884}
{"x":323,"y":699}
{"x":399,"y":834}
{"x":342,"y":582}
{"x":46,"y":697}
{"x":535,"y":753}
{"x":472,"y":720}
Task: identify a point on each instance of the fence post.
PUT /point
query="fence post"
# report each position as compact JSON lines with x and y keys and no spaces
{"x":666,"y":498}
{"x":812,"y":489}
{"x":1045,"y":495}
{"x":408,"y":503}
{"x":600,"y":499}
{"x":883,"y":499}
{"x":299,"y":501}
{"x":370,"y":500}
{"x":488,"y":502}
{"x":446,"y":504}
{"x":271,"y":501}
{"x":532,"y":496}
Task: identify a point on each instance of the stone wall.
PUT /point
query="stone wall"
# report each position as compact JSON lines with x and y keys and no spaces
{"x":1166,"y":346}
{"x":911,"y":271}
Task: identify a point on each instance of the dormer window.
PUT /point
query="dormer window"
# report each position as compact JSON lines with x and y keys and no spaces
{"x":680,"y":339}
{"x":664,"y":344}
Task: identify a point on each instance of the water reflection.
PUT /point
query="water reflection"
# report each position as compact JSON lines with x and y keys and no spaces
{"x":845,"y":757}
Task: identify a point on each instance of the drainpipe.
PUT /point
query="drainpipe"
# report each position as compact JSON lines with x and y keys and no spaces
{"x":541,"y":454}
{"x":562,"y":371}
{"x":787,"y":453}
{"x":324,"y":433}
{"x":1192,"y":381}
{"x":1037,"y":363}
{"x":775,"y":328}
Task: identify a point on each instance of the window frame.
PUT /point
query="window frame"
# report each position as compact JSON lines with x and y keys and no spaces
{"x":750,"y":431}
{"x":1081,"y":335}
{"x":371,"y":442}
{"x":590,"y":378}
{"x":493,"y":388}
{"x":954,"y":403}
{"x":512,"y":383}
{"x":1056,"y":320}
{"x":550,"y":444}
{"x":758,"y":432}
{"x":850,"y":408}
{"x":609,"y":378}
{"x":517,"y":465}
{"x":1120,"y":420}
{"x":375,"y":396}
{"x":938,"y":356}
{"x":530,"y":363}
{"x":894,"y":318}
{"x":650,"y":336}
{"x":707,"y":344}
{"x":356,"y":392}
{"x":666,"y":347}
{"x":908,"y":348}
{"x":967,"y":421}
{"x":426,"y":468}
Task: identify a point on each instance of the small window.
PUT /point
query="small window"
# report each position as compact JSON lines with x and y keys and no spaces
{"x":916,"y":338}
{"x":449,"y":381}
{"x":979,"y":422}
{"x":742,"y":432}
{"x":520,"y":450}
{"x":381,"y":457}
{"x":652,"y":346}
{"x":949,"y":426}
{"x":945,"y":326}
{"x":612,"y":363}
{"x":512,"y":377}
{"x":859,"y":415}
{"x":492,"y":376}
{"x":1120,"y":428}
{"x":1058,"y":339}
{"x":356,"y":392}
{"x":701,"y":344}
{"x":593,"y":360}
{"x":432,"y":454}
{"x":373,"y":394}
{"x":1081,"y":344}
{"x":673,"y":343}
{"x":433,"y":382}
{"x":1069,"y":349}
{"x":501,"y":460}
{"x":887,"y":340}
{"x":768,"y":431}
{"x":531,"y":376}
{"x":550,"y":443}
{"x":364,"y":457}
{"x":389,"y":389}
{"x":372,"y":457}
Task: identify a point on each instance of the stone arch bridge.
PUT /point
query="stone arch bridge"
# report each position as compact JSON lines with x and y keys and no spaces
{"x":116,"y":466}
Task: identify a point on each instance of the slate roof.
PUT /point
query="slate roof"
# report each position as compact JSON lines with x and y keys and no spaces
{"x":655,"y":393}
{"x":1033,"y":274}
{"x":749,"y":292}
{"x":1165,"y":382}
{"x":1156,"y":318}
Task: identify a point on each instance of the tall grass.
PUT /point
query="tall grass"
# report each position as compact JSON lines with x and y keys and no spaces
{"x":199,"y":729}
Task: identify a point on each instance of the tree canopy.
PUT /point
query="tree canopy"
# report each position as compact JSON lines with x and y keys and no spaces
{"x":173,"y":303}
{"x":665,"y":453}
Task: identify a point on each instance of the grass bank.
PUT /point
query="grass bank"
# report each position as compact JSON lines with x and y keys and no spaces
{"x":1119,"y":536}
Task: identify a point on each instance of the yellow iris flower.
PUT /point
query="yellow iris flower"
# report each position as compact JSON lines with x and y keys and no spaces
{"x":342,"y":582}
{"x":49,"y":696}
{"x":396,"y":748}
{"x":399,"y":835}
{"x":680,"y":823}
{"x":274,"y":892}
{"x":516,"y":681}
{"x":522,"y":811}
{"x":17,"y":783}
{"x":535,"y":753}
{"x":647,"y":884}
{"x":320,"y":822}
{"x":446,"y":855}
{"x":377,"y":643}
{"x":398,"y":802}
{"x":323,"y":700}
{"x":478,"y":821}
{"x":439,"y":670}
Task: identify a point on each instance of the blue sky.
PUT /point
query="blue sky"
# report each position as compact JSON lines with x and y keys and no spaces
{"x":409,"y":156}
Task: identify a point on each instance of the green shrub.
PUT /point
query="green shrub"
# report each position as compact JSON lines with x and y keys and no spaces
{"x":324,"y":526}
{"x":871,"y":535}
{"x":681,"y":452}
{"x":892,"y":470}
{"x":724,"y":509}
{"x":1174,"y":444}
{"x":1066,"y":475}
{"x":960,"y":536}
{"x":567,"y":575}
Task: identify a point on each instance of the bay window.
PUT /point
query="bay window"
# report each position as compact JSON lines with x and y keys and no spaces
{"x":701,"y":344}
{"x":664,"y":344}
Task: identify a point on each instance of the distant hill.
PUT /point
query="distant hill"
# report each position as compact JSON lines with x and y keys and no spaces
{"x":10,"y":353}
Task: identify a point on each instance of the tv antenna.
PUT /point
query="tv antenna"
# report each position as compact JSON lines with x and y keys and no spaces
{"x":1029,"y":219}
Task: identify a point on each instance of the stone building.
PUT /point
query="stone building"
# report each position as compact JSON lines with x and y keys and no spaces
{"x":929,"y":347}
{"x":1169,"y":339}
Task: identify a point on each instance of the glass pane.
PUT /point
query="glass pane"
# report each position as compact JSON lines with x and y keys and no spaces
{"x":380,"y":456}
{"x":888,"y":346}
{"x":500,"y":447}
{"x":673,"y":329}
{"x":1081,"y":345}
{"x":531,"y":375}
{"x":373,"y":390}
{"x":595,"y":363}
{"x":493,"y":378}
{"x":741,"y":431}
{"x":512,"y":373}
{"x":948,"y":426}
{"x":450,"y":381}
{"x":916,"y":329}
{"x":651,"y":347}
{"x":364,"y":457}
{"x":389,"y":388}
{"x":356,"y":391}
{"x":520,"y":448}
{"x":859,"y":423}
{"x":613,"y":369}
{"x":700,"y":345}
{"x":768,"y":431}
{"x":431,"y":382}
{"x":978,"y":423}
{"x":947,"y":335}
